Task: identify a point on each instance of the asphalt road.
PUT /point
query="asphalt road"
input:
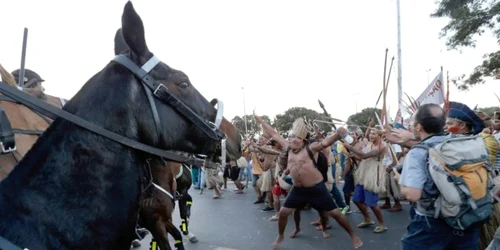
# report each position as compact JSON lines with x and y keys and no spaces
{"x":235,"y":223}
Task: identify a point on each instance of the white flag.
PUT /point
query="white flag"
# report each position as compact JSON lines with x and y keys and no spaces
{"x":434,"y":93}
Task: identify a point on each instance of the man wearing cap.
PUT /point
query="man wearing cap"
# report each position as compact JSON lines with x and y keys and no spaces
{"x":308,"y":185}
{"x":462,"y":120}
{"x":32,"y":84}
{"x":31,"y":78}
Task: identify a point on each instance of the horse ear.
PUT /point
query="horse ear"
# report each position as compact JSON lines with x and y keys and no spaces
{"x":120,"y":44}
{"x":133,"y":30}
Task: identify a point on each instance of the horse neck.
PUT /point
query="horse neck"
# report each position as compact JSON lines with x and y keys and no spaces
{"x":164,"y":174}
{"x":55,"y":101}
{"x":71,"y":173}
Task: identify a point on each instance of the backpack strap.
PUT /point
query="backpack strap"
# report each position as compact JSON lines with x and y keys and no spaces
{"x":311,"y":155}
{"x":418,"y":206}
{"x":422,"y":146}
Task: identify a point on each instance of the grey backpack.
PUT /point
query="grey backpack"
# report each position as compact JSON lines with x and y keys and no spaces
{"x":459,"y":166}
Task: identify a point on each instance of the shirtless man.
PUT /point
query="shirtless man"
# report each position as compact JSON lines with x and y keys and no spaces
{"x":308,"y":186}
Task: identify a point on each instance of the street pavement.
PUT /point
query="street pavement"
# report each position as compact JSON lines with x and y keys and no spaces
{"x":235,"y":223}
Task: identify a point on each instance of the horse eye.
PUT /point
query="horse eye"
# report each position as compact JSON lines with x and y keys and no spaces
{"x":184,"y":85}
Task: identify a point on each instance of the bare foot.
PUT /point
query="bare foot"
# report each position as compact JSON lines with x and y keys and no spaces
{"x":294,"y":233}
{"x":356,"y":242}
{"x":278,"y":240}
{"x":316,"y":223}
{"x":326,"y":234}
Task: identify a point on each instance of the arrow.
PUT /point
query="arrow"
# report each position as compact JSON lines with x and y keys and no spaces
{"x":496,"y":96}
{"x":326,"y":114}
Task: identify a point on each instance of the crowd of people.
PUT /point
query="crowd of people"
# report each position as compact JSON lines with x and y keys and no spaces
{"x":388,"y":163}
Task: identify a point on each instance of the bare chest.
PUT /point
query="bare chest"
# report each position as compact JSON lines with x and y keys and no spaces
{"x":299,"y":160}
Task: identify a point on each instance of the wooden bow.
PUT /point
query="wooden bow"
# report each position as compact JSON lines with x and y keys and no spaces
{"x":335,"y":127}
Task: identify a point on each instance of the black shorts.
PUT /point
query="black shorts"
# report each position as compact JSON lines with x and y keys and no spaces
{"x":235,"y":173}
{"x":349,"y":183}
{"x":318,"y":196}
{"x":226,"y":172}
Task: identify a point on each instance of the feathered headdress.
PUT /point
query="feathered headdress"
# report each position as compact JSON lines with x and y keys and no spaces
{"x":411,"y":106}
{"x":300,"y":128}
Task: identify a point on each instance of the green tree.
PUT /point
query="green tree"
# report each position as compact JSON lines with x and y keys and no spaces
{"x":284,"y":122}
{"x":362,"y":118}
{"x":467,"y":19}
{"x":489,"y":110}
{"x":252,"y":126}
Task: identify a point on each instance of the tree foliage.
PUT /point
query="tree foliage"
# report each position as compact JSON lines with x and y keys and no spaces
{"x":489,"y":110}
{"x":469,"y":18}
{"x":252,"y":126}
{"x":363,"y":118}
{"x":285,"y":121}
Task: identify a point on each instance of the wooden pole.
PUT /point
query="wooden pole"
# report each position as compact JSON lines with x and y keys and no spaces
{"x":383,"y":85}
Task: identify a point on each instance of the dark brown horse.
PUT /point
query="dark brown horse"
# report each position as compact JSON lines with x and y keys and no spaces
{"x":157,"y":207}
{"x":79,"y":187}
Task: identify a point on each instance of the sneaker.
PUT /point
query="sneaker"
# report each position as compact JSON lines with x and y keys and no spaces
{"x":274,"y":218}
{"x":267,"y":209}
{"x":136,"y":243}
{"x":344,"y":210}
{"x":142,"y":232}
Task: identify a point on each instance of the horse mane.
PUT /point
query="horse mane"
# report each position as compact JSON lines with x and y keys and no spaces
{"x":7,"y":77}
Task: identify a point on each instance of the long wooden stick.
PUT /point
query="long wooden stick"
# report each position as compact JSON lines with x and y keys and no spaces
{"x":385,"y":92}
{"x":383,"y":84}
{"x":393,"y":154}
{"x":386,"y":84}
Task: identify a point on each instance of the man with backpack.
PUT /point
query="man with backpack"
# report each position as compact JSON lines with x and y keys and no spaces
{"x":447,"y":179}
{"x":308,"y":186}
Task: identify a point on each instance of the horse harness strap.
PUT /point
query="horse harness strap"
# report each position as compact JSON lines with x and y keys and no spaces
{"x":181,"y":171}
{"x":161,"y":92}
{"x":7,"y":141}
{"x":52,"y":112}
{"x":8,"y":99}
{"x":27,"y":132}
{"x":163,"y":191}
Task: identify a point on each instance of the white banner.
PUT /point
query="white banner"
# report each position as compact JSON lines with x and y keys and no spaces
{"x":434,"y":93}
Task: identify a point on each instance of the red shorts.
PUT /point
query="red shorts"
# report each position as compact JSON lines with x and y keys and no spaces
{"x":278,"y":191}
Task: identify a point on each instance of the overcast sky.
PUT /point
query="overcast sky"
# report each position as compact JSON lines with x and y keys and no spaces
{"x":284,"y":53}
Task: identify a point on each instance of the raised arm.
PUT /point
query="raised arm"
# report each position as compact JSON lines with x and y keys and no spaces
{"x":271,"y":131}
{"x":254,"y":147}
{"x":328,"y":141}
{"x":377,"y":151}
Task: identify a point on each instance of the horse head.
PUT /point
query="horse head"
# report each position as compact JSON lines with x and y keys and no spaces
{"x":178,"y":120}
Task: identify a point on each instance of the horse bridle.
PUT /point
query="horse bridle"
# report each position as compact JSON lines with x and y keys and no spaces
{"x":156,"y":89}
